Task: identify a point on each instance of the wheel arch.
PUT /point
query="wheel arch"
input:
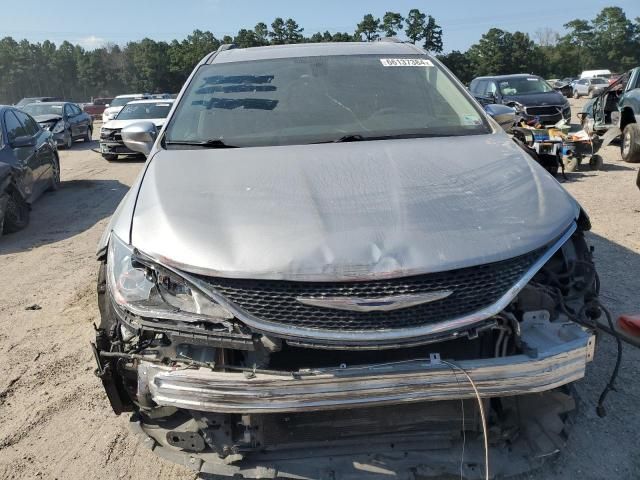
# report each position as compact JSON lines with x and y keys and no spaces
{"x":626,"y":117}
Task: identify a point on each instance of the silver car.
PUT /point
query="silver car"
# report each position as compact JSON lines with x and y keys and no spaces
{"x":334,"y":265}
{"x":590,"y":87}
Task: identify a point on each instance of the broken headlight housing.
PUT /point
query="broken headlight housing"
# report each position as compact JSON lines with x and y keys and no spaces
{"x":58,"y":127}
{"x":144,"y":288}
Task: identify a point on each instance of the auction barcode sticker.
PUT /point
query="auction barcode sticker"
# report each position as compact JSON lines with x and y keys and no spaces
{"x":406,"y":62}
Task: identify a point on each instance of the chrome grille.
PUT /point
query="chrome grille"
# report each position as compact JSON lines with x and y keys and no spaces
{"x":473,"y":288}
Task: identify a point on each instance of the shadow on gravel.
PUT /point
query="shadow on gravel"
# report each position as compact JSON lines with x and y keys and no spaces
{"x":81,"y":145}
{"x":586,"y":173}
{"x":75,"y":208}
{"x":95,"y":146}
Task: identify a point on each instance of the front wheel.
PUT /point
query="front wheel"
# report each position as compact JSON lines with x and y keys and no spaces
{"x":88,"y":136}
{"x":576,"y":95}
{"x":630,"y":145}
{"x":55,"y":177}
{"x":68,"y":140}
{"x":109,"y":157}
{"x":17,"y":215}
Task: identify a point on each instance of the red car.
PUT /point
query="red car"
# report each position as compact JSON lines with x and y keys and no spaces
{"x":98,"y":106}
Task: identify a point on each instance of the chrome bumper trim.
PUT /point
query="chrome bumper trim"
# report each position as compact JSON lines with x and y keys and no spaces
{"x":552,"y":361}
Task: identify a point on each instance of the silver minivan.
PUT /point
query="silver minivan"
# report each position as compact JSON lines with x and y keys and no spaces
{"x":335,"y":264}
{"x":590,"y":87}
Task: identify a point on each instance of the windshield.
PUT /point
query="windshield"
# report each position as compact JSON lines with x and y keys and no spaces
{"x":35,"y":109}
{"x":599,"y":81}
{"x":524,"y":86}
{"x":319,"y":99}
{"x":135,"y":111}
{"x":118,"y":102}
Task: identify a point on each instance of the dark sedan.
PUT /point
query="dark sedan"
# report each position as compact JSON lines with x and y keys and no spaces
{"x":531,"y":96}
{"x":29,"y":166}
{"x":66,"y":121}
{"x":28,"y":100}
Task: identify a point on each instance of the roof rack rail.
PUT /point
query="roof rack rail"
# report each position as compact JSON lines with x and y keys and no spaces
{"x":227,"y":46}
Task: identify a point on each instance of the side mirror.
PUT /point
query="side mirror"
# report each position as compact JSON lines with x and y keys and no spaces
{"x":505,"y":116}
{"x":140,"y":136}
{"x":24,"y":141}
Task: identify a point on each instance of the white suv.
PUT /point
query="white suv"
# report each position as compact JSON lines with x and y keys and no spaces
{"x":120,"y":101}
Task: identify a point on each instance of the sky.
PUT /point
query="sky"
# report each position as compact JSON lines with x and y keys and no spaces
{"x":94,"y":23}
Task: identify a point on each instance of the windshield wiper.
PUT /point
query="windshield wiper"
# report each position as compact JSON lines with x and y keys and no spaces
{"x":356,"y":137}
{"x":350,"y":138}
{"x":214,"y":143}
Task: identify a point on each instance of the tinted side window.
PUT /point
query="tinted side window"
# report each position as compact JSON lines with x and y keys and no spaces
{"x":30,"y":126}
{"x":491,"y":88}
{"x":76,"y":110}
{"x":14,"y":127}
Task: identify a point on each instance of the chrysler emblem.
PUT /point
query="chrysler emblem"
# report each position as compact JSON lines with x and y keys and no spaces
{"x":381,"y":304}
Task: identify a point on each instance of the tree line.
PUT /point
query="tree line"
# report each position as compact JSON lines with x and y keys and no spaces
{"x":610,"y":40}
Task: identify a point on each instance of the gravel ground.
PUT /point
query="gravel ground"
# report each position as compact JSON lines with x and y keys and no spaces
{"x":55,"y":421}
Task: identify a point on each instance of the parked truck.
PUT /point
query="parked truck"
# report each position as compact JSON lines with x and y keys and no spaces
{"x":98,"y":106}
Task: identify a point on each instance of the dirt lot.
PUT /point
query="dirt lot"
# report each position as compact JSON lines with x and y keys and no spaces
{"x":55,"y":421}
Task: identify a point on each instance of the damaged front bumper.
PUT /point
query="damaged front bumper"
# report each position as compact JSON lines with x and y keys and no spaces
{"x":555,"y":354}
{"x":115,"y":148}
{"x":224,"y":399}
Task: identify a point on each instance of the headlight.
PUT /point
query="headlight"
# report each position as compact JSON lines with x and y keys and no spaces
{"x":149,"y":290}
{"x":58,"y":127}
{"x":517,"y":106}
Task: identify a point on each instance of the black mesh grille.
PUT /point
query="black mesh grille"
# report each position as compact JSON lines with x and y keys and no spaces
{"x":543,"y":110}
{"x":473,"y":288}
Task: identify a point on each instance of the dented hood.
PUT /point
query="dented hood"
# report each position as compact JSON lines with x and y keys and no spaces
{"x":347,"y":210}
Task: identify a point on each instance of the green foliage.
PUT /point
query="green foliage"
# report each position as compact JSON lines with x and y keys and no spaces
{"x":292,"y":32}
{"x":415,"y":23}
{"x":432,"y":36}
{"x":261,"y":32}
{"x":460,"y":64}
{"x":278,"y":33}
{"x":610,"y":40}
{"x":391,"y":24}
{"x":369,"y":27}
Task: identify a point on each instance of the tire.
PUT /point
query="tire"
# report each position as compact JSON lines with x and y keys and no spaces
{"x":571,"y":164}
{"x":109,"y":157}
{"x":17,"y":214}
{"x":68,"y":142}
{"x":630,"y":144}
{"x":55,"y":181}
{"x":88,"y":136}
{"x":596,"y":162}
{"x":590,"y":93}
{"x":576,"y":95}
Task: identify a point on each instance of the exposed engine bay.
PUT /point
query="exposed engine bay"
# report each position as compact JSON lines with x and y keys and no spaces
{"x":223,"y":397}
